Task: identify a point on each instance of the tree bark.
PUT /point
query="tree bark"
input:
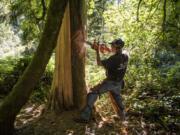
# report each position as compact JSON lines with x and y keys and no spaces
{"x":61,"y":92}
{"x":23,"y":88}
{"x":77,"y":15}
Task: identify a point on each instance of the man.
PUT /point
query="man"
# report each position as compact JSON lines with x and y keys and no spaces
{"x":115,"y":67}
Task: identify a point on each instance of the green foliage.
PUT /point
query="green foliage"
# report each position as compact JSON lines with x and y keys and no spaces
{"x":96,"y":21}
{"x":9,"y":75}
{"x":29,"y":17}
{"x":94,"y":74}
{"x":173,"y":75}
{"x":21,"y":21}
{"x":10,"y":42}
{"x":12,"y":68}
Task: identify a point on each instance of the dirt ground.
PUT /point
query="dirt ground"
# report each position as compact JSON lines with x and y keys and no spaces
{"x":35,"y":120}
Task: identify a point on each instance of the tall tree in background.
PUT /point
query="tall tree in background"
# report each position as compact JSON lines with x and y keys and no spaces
{"x":96,"y":20}
{"x":22,"y":90}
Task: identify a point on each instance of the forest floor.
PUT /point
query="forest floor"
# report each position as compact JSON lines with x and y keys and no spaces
{"x":36,"y":120}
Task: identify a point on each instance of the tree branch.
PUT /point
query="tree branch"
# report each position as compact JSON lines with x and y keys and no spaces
{"x":164,"y":15}
{"x":138,"y":9}
{"x":152,"y":14}
{"x":44,"y":8}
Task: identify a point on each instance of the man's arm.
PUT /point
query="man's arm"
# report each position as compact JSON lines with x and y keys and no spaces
{"x":98,"y":59}
{"x":96,"y":47}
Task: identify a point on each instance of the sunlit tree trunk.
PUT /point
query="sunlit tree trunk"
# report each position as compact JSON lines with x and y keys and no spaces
{"x":68,"y":87}
{"x":23,"y":88}
{"x":77,"y":15}
{"x":61,"y":92}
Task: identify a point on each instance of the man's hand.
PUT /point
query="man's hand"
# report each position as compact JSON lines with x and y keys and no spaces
{"x":95,"y":46}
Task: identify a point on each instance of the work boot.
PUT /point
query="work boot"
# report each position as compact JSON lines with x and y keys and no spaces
{"x":85,"y":116}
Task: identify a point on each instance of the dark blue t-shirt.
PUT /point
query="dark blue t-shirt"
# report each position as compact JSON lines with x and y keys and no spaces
{"x":116,"y":66}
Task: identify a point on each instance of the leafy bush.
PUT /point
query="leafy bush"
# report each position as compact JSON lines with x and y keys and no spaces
{"x":11,"y":69}
{"x":8,"y":74}
{"x":173,"y":75}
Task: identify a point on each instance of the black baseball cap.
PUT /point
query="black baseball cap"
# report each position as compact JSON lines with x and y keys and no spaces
{"x":117,"y":43}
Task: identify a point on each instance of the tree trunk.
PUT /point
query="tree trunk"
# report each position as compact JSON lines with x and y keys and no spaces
{"x":23,"y":88}
{"x":61,"y":92}
{"x":77,"y":13}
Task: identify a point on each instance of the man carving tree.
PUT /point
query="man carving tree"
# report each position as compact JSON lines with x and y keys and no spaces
{"x":115,"y":67}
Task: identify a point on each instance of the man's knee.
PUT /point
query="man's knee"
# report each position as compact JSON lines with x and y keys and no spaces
{"x":92,"y":94}
{"x":91,"y":98}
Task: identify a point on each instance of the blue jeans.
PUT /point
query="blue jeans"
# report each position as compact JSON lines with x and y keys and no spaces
{"x":106,"y":86}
